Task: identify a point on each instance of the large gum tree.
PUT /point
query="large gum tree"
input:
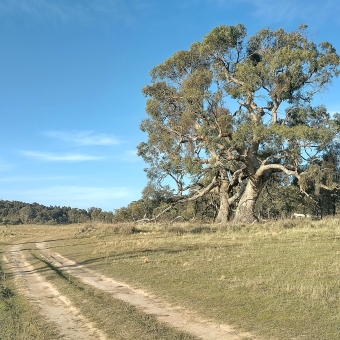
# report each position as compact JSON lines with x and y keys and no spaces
{"x":231,"y":111}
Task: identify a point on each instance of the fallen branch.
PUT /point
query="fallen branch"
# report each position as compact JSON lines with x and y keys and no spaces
{"x":194,"y":197}
{"x":176,"y":218}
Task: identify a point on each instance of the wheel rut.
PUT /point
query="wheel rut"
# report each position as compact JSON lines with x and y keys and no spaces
{"x":175,"y":316}
{"x":72,"y":325}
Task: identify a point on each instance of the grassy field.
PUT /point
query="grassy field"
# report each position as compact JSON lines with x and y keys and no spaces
{"x":117,"y":319}
{"x":277,"y":280}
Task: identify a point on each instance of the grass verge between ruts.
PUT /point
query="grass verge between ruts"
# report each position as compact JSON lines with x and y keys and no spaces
{"x":117,"y":319}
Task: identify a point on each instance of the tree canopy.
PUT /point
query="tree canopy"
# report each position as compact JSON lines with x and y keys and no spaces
{"x":231,"y":111}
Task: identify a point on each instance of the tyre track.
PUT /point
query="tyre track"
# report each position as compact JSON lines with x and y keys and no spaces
{"x":71,"y":324}
{"x":176,"y":317}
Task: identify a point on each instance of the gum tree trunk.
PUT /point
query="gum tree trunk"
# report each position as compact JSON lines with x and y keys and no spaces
{"x":223,"y":213}
{"x":245,"y":212}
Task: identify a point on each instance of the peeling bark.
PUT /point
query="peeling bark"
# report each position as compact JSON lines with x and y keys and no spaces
{"x":245,"y":212}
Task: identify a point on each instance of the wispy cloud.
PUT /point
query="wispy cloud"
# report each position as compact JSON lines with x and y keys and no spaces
{"x":83,"y":11}
{"x":83,"y":137}
{"x":276,"y":11}
{"x":66,"y":157}
{"x":75,"y":196}
{"x":44,"y":9}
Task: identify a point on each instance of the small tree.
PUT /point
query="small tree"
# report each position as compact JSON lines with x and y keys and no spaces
{"x":194,"y":138}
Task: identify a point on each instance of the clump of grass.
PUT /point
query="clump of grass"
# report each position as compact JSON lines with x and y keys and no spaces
{"x":176,"y":229}
{"x":289,"y":225}
{"x":202,"y":229}
{"x":183,"y":228}
{"x":103,"y":230}
{"x":127,"y":230}
{"x":87,"y":228}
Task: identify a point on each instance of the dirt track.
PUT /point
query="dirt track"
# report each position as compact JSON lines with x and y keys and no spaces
{"x":54,"y":306}
{"x":74,"y":326}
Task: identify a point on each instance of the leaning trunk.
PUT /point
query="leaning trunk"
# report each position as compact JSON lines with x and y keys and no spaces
{"x":223,"y":213}
{"x":245,"y":211}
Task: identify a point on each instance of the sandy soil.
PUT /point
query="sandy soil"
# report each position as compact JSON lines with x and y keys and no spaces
{"x":53,"y":305}
{"x":175,"y":316}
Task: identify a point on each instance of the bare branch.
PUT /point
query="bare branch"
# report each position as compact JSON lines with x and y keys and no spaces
{"x":197,"y":195}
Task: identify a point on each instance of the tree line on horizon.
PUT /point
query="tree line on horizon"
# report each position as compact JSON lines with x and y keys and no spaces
{"x":15,"y":212}
{"x":277,"y":201}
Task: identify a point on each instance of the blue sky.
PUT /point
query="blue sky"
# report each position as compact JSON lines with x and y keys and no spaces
{"x":71,"y":74}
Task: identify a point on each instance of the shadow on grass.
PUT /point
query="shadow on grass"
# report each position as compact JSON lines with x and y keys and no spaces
{"x":147,"y":252}
{"x":57,"y":271}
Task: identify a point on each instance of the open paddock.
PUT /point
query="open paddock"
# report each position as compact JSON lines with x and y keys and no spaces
{"x":276,"y":280}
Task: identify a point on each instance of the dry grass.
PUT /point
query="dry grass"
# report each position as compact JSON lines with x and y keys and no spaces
{"x":277,"y":280}
{"x":18,"y":319}
{"x":117,"y":319}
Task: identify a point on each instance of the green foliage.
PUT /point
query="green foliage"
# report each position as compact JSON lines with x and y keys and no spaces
{"x":15,"y":212}
{"x":283,"y":197}
{"x":194,"y":139}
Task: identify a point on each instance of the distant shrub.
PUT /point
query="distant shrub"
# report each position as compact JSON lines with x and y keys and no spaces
{"x":289,"y":225}
{"x":236,"y":227}
{"x":86,"y":229}
{"x":128,"y":229}
{"x":181,"y":229}
{"x":51,"y":223}
{"x":174,"y":229}
{"x":203,"y":229}
{"x":15,"y":221}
